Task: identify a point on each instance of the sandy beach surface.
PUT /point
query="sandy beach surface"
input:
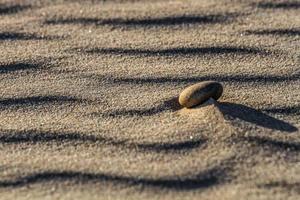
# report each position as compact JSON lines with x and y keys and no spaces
{"x":89,"y":89}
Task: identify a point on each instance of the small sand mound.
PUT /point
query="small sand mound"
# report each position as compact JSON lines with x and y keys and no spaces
{"x":210,"y":114}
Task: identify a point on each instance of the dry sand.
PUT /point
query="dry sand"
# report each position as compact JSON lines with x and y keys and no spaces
{"x":87,"y":107}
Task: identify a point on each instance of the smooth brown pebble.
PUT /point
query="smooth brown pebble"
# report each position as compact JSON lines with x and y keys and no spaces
{"x":199,"y":93}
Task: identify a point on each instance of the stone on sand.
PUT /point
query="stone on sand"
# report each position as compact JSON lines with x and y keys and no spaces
{"x":198,"y":93}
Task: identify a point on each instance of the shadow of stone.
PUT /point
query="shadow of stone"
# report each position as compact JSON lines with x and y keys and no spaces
{"x":40,"y":137}
{"x":279,"y":32}
{"x":6,"y":9}
{"x":279,"y":5}
{"x":163,"y":21}
{"x":238,"y":111}
{"x":202,"y":180}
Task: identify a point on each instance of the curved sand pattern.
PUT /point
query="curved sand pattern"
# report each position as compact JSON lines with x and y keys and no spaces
{"x":86,"y":109}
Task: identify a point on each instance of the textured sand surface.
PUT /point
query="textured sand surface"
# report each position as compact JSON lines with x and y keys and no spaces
{"x":88,"y":104}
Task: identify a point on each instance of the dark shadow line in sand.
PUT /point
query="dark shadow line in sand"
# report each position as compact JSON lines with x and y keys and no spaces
{"x":279,"y":5}
{"x":32,"y":136}
{"x":18,"y":66}
{"x":133,"y":112}
{"x":180,"y":51}
{"x":274,"y":144}
{"x":26,"y":36}
{"x":163,"y":21}
{"x":291,"y":187}
{"x":288,"y":110}
{"x":171,"y":104}
{"x":36,"y":100}
{"x":6,"y":9}
{"x":163,"y":147}
{"x":253,"y":116}
{"x":279,"y":32}
{"x":188,"y":80}
{"x":202,"y":180}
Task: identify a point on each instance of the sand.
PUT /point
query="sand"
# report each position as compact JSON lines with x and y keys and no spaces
{"x":88,"y":104}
